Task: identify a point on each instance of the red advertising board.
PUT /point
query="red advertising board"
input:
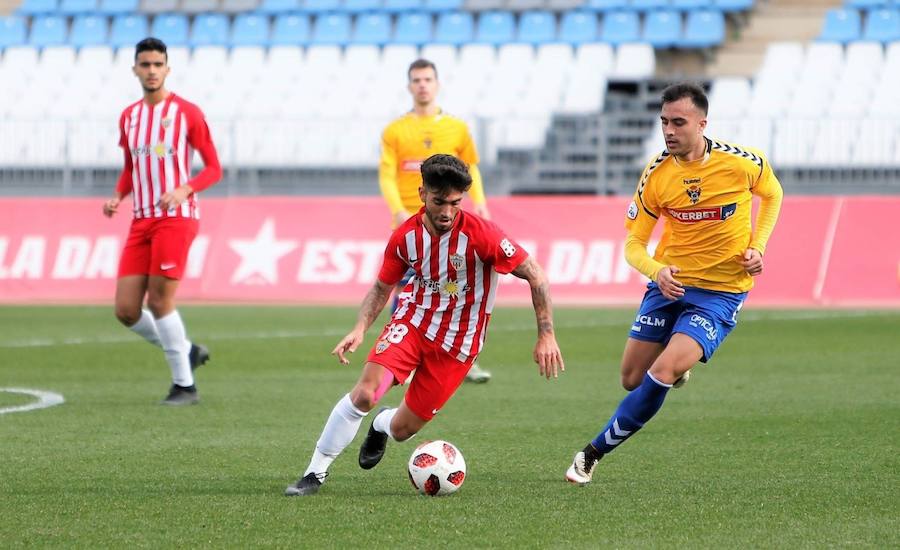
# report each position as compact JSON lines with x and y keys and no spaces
{"x":833,"y":251}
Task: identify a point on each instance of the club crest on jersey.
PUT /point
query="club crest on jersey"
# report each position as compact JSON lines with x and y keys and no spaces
{"x":693,"y":193}
{"x":381,"y":346}
{"x":166,"y":122}
{"x":457,"y":261}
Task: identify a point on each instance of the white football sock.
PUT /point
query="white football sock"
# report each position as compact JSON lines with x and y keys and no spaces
{"x":382,"y":422}
{"x":146,"y":328}
{"x":339,"y":431}
{"x":176,"y":347}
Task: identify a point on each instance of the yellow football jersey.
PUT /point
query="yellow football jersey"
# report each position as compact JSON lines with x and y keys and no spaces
{"x":407,"y":142}
{"x":706,"y":205}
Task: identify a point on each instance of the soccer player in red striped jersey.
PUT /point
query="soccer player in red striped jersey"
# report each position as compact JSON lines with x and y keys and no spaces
{"x":439,"y":328}
{"x":159,"y":135}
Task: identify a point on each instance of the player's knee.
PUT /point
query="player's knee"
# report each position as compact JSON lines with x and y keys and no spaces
{"x":159,"y":306}
{"x":403,"y":432}
{"x":128,"y":315}
{"x":363,"y":399}
{"x":632,"y":375}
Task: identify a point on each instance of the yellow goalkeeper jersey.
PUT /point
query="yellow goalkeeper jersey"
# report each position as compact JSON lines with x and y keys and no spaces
{"x":407,"y":142}
{"x":706,"y":205}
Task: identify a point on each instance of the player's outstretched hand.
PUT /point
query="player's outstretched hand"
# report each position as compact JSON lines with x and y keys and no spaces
{"x":110,"y":207}
{"x":669,"y":286}
{"x":548,"y":357}
{"x":175,"y":197}
{"x":348,"y":345}
{"x":752,"y":261}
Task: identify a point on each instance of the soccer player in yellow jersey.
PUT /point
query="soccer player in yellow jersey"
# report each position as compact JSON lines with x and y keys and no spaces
{"x":703,"y":266}
{"x":407,"y":141}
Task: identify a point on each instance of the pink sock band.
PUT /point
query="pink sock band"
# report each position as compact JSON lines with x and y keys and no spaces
{"x":386,"y":382}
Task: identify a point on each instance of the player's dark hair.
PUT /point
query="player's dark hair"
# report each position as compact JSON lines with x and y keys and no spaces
{"x":687,"y":89}
{"x":151,"y":44}
{"x":421,"y":64}
{"x":443,"y":173}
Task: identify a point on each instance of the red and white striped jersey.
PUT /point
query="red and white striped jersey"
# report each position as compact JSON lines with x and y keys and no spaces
{"x":452,"y":293}
{"x":159,"y":142}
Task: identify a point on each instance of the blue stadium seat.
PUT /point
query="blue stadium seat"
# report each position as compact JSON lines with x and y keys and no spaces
{"x":691,"y":4}
{"x":536,"y":27}
{"x":77,"y":7}
{"x":13,"y":31}
{"x":605,"y":5}
{"x":48,"y":30}
{"x":361,"y":6}
{"x":171,"y":28}
{"x":662,"y":29}
{"x":841,"y":25}
{"x":620,"y":27}
{"x":372,"y":28}
{"x":37,"y":7}
{"x":495,"y":28}
{"x":733,"y":6}
{"x":250,"y":29}
{"x":648,"y":5}
{"x":127,"y":30}
{"x":316,"y":7}
{"x":331,"y":28}
{"x":88,"y":30}
{"x":866,"y":4}
{"x":882,"y":25}
{"x":275,"y":7}
{"x":413,"y":28}
{"x":454,"y":28}
{"x":290,"y":30}
{"x":441,"y":6}
{"x":117,"y":7}
{"x":402,"y":6}
{"x":703,"y":29}
{"x":209,"y":29}
{"x":578,"y":27}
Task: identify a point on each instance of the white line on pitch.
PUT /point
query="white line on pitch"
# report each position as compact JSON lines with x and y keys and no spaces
{"x":45,"y":399}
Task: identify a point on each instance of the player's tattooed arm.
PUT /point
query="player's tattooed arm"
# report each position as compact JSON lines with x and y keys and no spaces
{"x":373,"y":303}
{"x":531,"y":271}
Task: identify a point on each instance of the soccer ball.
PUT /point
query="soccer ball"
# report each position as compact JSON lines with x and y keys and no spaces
{"x":437,"y":468}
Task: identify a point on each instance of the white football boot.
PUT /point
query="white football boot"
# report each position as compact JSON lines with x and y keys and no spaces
{"x":581,"y":470}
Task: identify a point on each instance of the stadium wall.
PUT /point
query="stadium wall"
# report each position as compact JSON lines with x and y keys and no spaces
{"x":826,"y":251}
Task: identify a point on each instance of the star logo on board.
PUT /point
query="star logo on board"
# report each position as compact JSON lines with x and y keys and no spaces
{"x":260,"y":255}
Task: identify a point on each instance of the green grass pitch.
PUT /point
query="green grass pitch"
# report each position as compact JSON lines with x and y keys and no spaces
{"x":790,"y":438}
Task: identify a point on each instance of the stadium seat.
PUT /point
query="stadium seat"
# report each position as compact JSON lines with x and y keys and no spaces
{"x":48,"y":30}
{"x":13,"y":31}
{"x":454,"y":28}
{"x":866,"y":4}
{"x":495,"y":27}
{"x":620,"y":27}
{"x":648,"y":5}
{"x":605,"y":5}
{"x":536,"y":27}
{"x":317,"y":7}
{"x":633,"y":62}
{"x":733,"y":6}
{"x":363,"y":60}
{"x":117,"y":7}
{"x":209,"y":29}
{"x":361,"y":6}
{"x":578,"y":27}
{"x":443,"y":56}
{"x":372,"y":28}
{"x":250,"y":29}
{"x":193,"y":7}
{"x":238,"y":6}
{"x":401,"y":6}
{"x":88,"y":30}
{"x":703,"y":29}
{"x":441,"y":6}
{"x":882,"y":25}
{"x":158,"y":6}
{"x":691,"y":4}
{"x":841,"y":25}
{"x":277,"y":7}
{"x":662,"y":29}
{"x":596,"y":57}
{"x":728,"y":98}
{"x":331,"y":28}
{"x":77,"y":7}
{"x":31,"y":8}
{"x":413,"y":28}
{"x":171,"y":28}
{"x":290,"y":30}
